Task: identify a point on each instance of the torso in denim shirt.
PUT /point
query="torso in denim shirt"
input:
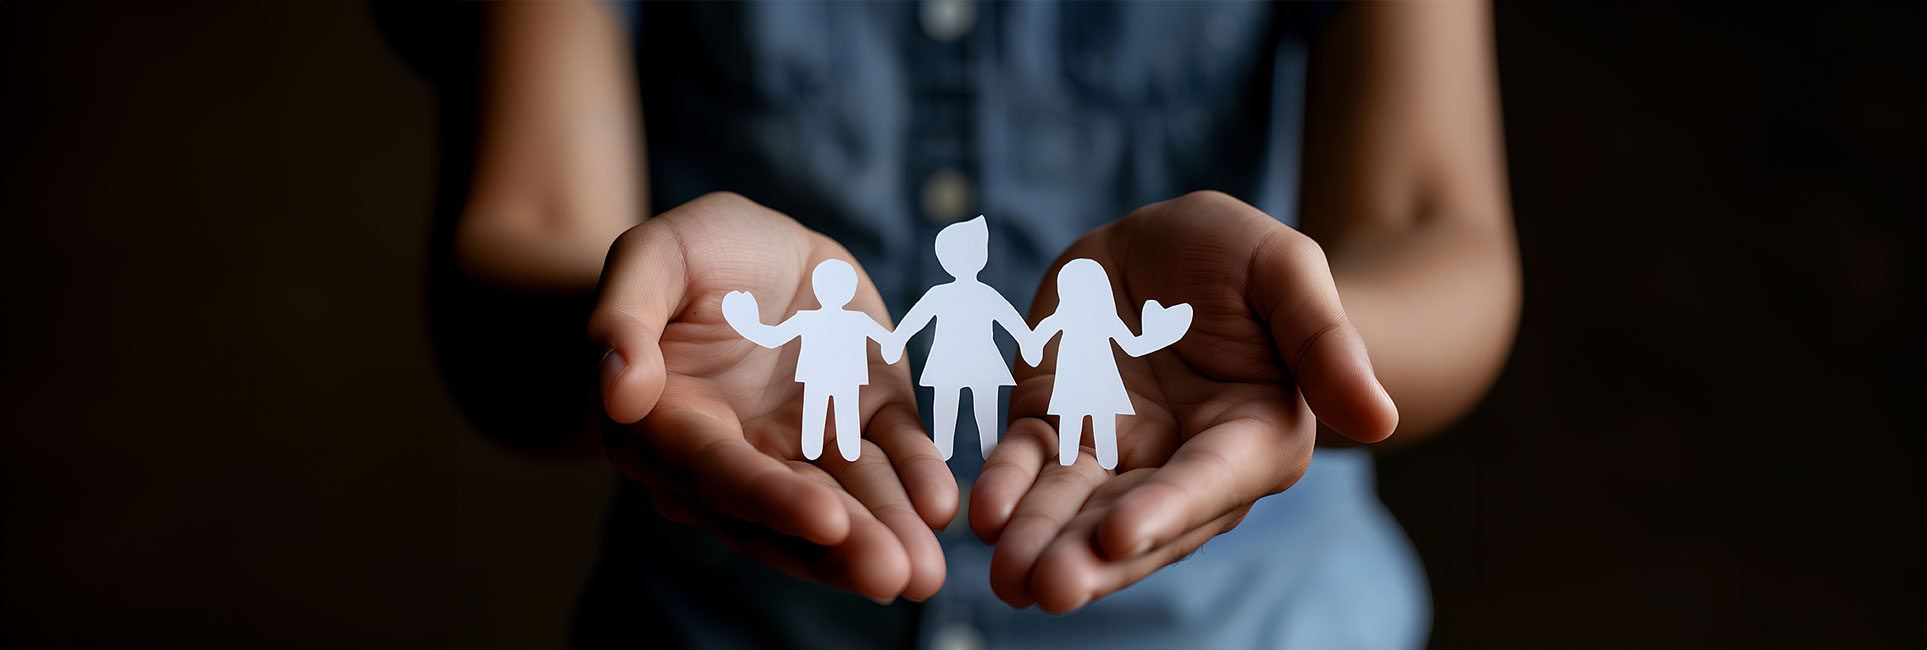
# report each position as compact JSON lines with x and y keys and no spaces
{"x":1058,"y":118}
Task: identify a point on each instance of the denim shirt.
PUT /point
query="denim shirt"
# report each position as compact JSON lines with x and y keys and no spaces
{"x":878,"y":124}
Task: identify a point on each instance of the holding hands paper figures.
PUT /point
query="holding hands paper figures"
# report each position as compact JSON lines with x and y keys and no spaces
{"x":834,"y":361}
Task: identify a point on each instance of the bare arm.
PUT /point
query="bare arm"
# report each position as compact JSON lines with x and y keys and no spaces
{"x":558,"y":164}
{"x":1405,"y":190}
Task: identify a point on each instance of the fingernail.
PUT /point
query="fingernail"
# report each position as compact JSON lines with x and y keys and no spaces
{"x":883,"y":601}
{"x":612,"y":366}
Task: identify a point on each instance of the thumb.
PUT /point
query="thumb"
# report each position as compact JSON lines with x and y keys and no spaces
{"x":643,"y":286}
{"x":1292,"y":285}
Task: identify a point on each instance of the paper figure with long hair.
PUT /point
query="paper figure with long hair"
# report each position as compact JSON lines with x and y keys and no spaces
{"x":1087,"y":383}
{"x":834,"y":362}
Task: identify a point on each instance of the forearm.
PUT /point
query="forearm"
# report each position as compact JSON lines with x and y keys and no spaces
{"x":1405,"y":189}
{"x":1437,"y":304}
{"x":558,"y":169}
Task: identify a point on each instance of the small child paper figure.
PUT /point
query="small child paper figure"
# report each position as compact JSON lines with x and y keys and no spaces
{"x":1087,"y":382}
{"x":834,"y":363}
{"x":963,"y":355}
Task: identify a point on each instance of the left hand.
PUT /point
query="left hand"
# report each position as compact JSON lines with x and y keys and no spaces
{"x":1224,"y":417}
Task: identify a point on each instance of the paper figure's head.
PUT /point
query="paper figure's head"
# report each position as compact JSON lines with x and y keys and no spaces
{"x":963,"y":246}
{"x":835,"y":283}
{"x":1082,"y":285}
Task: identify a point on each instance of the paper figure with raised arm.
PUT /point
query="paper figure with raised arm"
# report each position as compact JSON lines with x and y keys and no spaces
{"x":834,"y":363}
{"x":1087,"y":383}
{"x":962,"y":354}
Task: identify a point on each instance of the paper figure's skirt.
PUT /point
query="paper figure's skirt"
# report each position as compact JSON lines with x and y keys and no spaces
{"x":1096,"y":414}
{"x":951,"y":366}
{"x":1111,"y":398}
{"x":959,"y":380}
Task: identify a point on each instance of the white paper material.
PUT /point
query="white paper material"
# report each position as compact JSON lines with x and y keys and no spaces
{"x":834,"y":360}
{"x":1087,"y":384}
{"x":963,"y":354}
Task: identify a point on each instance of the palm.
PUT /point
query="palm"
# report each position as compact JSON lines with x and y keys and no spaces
{"x":1221,"y":417}
{"x":718,"y":436}
{"x":712,"y":368}
{"x":1224,"y":370}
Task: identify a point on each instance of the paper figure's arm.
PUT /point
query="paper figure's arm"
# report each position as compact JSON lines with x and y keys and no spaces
{"x":891,"y":343}
{"x":919,"y":317}
{"x":1032,"y":347}
{"x":1162,"y":327}
{"x":1013,"y":322}
{"x":739,"y":309}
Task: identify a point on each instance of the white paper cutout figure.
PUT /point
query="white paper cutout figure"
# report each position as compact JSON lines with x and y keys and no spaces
{"x":1087,"y":382}
{"x":835,"y":361}
{"x":962,"y":354}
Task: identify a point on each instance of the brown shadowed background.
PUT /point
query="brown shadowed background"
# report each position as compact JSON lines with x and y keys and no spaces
{"x":230,"y":339}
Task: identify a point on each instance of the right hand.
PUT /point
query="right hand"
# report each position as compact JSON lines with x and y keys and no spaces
{"x":712,"y":420}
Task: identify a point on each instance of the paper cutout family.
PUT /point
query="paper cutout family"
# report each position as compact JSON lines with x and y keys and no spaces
{"x":834,"y":361}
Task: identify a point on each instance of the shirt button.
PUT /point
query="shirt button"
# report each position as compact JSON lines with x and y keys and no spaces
{"x":947,"y":196}
{"x":957,"y":635}
{"x":948,"y":20}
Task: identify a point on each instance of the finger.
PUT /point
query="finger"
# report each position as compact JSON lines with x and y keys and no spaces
{"x":872,"y":561}
{"x":642,"y":288}
{"x":1057,"y":497}
{"x":1028,"y":444}
{"x":1223,"y":468}
{"x":791,"y":555}
{"x":1291,"y":284}
{"x":932,"y":489}
{"x":872,"y":481}
{"x":1070,"y":574}
{"x":785,"y":553}
{"x":704,"y":447}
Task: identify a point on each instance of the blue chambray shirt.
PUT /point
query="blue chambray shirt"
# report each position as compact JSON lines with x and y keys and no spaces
{"x":879,"y":123}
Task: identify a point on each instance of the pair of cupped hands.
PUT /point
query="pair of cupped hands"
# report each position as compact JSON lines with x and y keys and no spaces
{"x":1224,"y":417}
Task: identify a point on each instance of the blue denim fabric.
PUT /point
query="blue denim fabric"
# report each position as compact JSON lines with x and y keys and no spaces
{"x":1062,"y":117}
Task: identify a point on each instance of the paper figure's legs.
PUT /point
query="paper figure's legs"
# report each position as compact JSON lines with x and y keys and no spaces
{"x":984,"y":400}
{"x":1104,"y":433}
{"x":1070,"y":429}
{"x":849,"y":437}
{"x":815,"y":403}
{"x":943,"y":430}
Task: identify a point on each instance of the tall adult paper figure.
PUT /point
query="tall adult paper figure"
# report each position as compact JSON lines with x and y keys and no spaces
{"x":1087,"y":384}
{"x":963,"y":355}
{"x":834,"y":362}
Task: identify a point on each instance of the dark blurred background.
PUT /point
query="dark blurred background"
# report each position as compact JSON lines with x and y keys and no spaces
{"x":225,"y":424}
